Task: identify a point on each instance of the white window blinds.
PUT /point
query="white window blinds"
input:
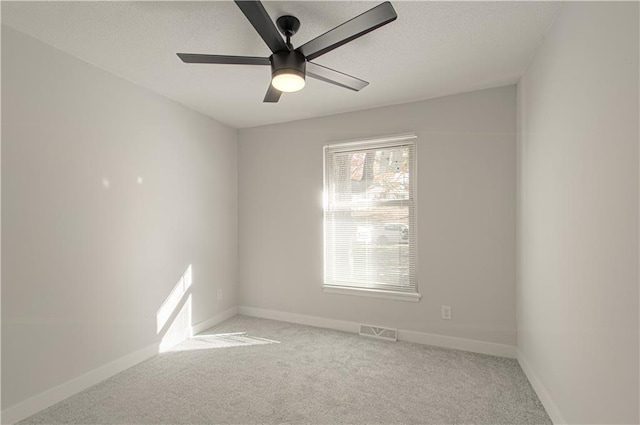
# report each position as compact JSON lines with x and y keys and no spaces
{"x":369,"y":215}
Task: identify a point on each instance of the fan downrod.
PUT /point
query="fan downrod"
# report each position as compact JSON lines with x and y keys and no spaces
{"x":288,"y":25}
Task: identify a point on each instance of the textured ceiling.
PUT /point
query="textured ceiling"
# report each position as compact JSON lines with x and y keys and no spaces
{"x":433,"y":49}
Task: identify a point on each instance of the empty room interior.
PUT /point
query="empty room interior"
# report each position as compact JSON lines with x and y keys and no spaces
{"x":320,"y":212}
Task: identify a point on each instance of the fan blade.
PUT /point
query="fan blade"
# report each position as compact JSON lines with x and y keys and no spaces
{"x":332,"y":76}
{"x":273,"y":95}
{"x":259,"y":18}
{"x":349,"y":31}
{"x":229,"y":60}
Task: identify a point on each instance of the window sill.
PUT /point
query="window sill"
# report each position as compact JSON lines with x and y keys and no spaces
{"x":376,"y":293}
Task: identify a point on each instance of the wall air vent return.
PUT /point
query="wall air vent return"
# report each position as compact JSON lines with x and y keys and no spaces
{"x":378,"y":332}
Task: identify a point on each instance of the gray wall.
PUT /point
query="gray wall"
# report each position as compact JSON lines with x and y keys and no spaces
{"x":466,"y":215}
{"x":578,"y":213}
{"x":86,"y":267}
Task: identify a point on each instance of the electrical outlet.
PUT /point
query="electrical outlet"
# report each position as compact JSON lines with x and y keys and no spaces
{"x":446,"y":312}
{"x":219,"y":294}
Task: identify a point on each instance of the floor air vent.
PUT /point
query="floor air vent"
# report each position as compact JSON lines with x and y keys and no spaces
{"x":379,"y":333}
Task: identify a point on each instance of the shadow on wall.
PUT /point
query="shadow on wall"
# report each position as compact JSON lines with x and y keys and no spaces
{"x":174,"y":317}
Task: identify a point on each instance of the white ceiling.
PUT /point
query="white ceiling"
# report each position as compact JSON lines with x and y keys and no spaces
{"x":433,"y":49}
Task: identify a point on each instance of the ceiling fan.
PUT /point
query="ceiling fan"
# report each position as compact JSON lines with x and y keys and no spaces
{"x":290,"y":66}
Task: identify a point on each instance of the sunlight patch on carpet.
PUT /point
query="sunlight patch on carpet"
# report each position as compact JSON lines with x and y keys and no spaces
{"x":226,"y":340}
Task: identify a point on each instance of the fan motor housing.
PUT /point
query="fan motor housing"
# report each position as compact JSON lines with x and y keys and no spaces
{"x":288,"y":61}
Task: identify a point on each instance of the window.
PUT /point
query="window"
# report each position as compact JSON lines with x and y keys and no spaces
{"x":369,"y":218}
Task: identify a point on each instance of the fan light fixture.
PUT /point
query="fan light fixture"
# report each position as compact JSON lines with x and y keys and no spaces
{"x":288,"y":81}
{"x":288,"y":69}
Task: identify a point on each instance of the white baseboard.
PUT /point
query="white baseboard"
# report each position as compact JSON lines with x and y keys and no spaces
{"x":544,"y":396}
{"x":403,"y":335}
{"x":50,"y":397}
{"x":301,"y":319}
{"x":473,"y":345}
{"x":218,"y":318}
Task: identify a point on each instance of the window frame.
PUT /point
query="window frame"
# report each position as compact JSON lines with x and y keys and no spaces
{"x":368,"y":144}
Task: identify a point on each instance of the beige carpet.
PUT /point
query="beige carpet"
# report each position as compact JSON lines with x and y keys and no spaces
{"x":250,"y":371}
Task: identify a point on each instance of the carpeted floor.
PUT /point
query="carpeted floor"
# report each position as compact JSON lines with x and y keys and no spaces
{"x":249,"y":371}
